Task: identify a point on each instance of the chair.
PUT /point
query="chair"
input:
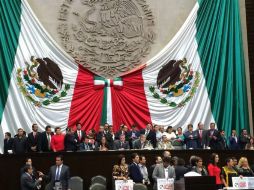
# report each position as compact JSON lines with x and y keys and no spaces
{"x":139,"y":186}
{"x":47,"y":187}
{"x":99,"y":179}
{"x":76,"y":183}
{"x":97,"y":186}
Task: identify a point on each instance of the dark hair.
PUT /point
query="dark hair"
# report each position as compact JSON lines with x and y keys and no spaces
{"x":8,"y":134}
{"x":120,"y":157}
{"x":33,"y":125}
{"x":27,"y":167}
{"x":228,"y":159}
{"x":141,"y":157}
{"x":189,"y":125}
{"x":27,"y":158}
{"x":78,"y":122}
{"x":57,"y":128}
{"x":179,"y":128}
{"x":198,"y":159}
{"x":47,"y":127}
{"x":60,"y":156}
{"x":167,"y":159}
{"x":180,"y":162}
{"x":133,"y":155}
{"x":212,"y":158}
{"x":193,"y":160}
{"x":156,"y":158}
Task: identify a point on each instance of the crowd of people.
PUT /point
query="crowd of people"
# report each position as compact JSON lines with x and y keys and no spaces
{"x":164,"y":166}
{"x":151,"y":137}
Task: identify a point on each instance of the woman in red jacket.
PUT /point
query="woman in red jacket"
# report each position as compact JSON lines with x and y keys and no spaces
{"x":214,"y":170}
{"x":57,"y":141}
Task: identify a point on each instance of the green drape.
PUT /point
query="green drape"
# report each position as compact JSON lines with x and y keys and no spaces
{"x":221,"y":52}
{"x":10,"y":11}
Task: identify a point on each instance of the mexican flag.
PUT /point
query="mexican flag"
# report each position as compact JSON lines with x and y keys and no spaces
{"x":198,"y":77}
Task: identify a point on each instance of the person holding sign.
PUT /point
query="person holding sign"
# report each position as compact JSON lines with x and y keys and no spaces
{"x":120,"y":170}
{"x":228,"y":172}
{"x":163,"y":171}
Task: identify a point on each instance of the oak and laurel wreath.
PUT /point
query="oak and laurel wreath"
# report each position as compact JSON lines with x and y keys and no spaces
{"x":184,"y":101}
{"x":29,"y":80}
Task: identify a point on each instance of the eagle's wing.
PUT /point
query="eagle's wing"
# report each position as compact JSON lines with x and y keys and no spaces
{"x":164,"y":73}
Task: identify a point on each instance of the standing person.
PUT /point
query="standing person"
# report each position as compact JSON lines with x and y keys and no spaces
{"x":228,"y":172}
{"x":178,"y":143}
{"x":199,"y":168}
{"x":133,"y":135}
{"x":233,"y":141}
{"x":180,"y":169}
{"x":8,"y":143}
{"x":170,"y":134}
{"x":158,"y":160}
{"x":244,"y":139}
{"x":243,"y":168}
{"x":28,"y":161}
{"x":20,"y":143}
{"x":143,"y":169}
{"x":101,"y":133}
{"x":32,"y":139}
{"x":212,"y":137}
{"x":201,"y":136}
{"x":163,"y":170}
{"x":134,"y":171}
{"x":59,"y":174}
{"x":79,"y":133}
{"x":120,"y":170}
{"x":27,"y":181}
{"x":44,"y":141}
{"x":70,"y":142}
{"x":214,"y":169}
{"x":191,"y":137}
{"x":222,"y":141}
{"x":57,"y":141}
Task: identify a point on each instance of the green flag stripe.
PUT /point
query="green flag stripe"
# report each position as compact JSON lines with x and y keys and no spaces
{"x":221,"y":52}
{"x":104,"y":106}
{"x":10,"y":12}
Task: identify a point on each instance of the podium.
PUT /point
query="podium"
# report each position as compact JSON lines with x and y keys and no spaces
{"x":200,"y":183}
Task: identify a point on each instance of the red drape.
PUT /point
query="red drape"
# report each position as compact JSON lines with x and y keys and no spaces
{"x":86,"y":105}
{"x":129,"y":104}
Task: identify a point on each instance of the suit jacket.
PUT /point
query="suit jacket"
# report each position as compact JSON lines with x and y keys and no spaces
{"x":64,"y":177}
{"x":137,"y":144}
{"x":180,"y":171}
{"x":191,"y":142}
{"x":125,"y":145}
{"x":201,"y":141}
{"x":70,"y":142}
{"x":82,"y":136}
{"x":8,"y":145}
{"x":233,"y":145}
{"x":86,"y":147}
{"x":28,"y":183}
{"x":159,"y":172}
{"x":33,"y":140}
{"x":151,"y":136}
{"x":135,"y":173}
{"x":162,"y":145}
{"x":43,"y":142}
{"x":119,"y":133}
{"x":19,"y":145}
{"x":211,"y":142}
{"x":243,"y":140}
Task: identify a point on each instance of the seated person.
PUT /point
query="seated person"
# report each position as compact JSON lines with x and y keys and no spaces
{"x":102,"y":145}
{"x":120,"y":170}
{"x":141,"y":143}
{"x":87,"y":144}
{"x":165,"y":143}
{"x":121,"y":144}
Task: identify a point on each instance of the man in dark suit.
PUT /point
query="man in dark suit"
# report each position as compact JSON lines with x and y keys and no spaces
{"x":32,"y":139}
{"x":8,"y":143}
{"x":133,"y":135}
{"x":27,"y":181}
{"x":59,"y":174}
{"x":191,"y":138}
{"x":101,"y":133}
{"x":123,"y":131}
{"x":134,"y":170}
{"x":79,"y":134}
{"x":45,"y":140}
{"x":28,"y":161}
{"x":121,"y":144}
{"x":70,"y":142}
{"x":20,"y":143}
{"x":150,"y":134}
{"x":213,"y":137}
{"x":234,"y":141}
{"x":141,"y":143}
{"x":201,"y":141}
{"x":244,"y":138}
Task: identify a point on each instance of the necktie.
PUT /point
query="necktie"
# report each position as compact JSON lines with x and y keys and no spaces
{"x":48,"y":141}
{"x":79,"y":136}
{"x":200,"y":134}
{"x":57,"y":173}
